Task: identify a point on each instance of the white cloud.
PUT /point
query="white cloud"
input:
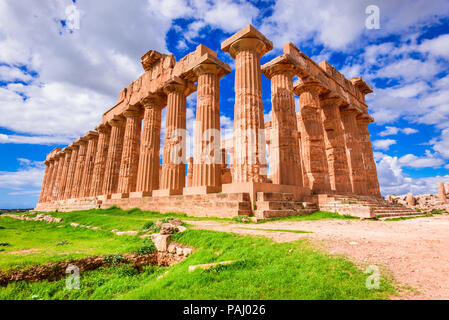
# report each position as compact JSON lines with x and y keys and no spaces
{"x":383,"y":144}
{"x":393,"y":180}
{"x":29,"y":175}
{"x":438,"y":46}
{"x":389,"y":131}
{"x":42,"y":140}
{"x":10,"y":74}
{"x":430,"y":160}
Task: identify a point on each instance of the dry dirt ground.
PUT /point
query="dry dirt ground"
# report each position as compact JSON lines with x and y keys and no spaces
{"x":415,"y":251}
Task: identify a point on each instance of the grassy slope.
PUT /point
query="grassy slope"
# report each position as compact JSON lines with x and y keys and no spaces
{"x":24,"y":235}
{"x":263,"y":269}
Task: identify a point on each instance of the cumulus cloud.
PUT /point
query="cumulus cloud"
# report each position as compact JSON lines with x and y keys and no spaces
{"x":29,"y":175}
{"x":430,"y":160}
{"x":383,"y":144}
{"x":390,"y":131}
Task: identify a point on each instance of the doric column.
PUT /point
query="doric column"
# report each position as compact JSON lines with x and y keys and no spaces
{"x":174,"y":153}
{"x":442,"y":192}
{"x":50,"y":180}
{"x":130,"y":156}
{"x":207,"y":158}
{"x":65,"y":170}
{"x":114,"y":155}
{"x":247,"y":47}
{"x":334,"y":140}
{"x":189,"y":178}
{"x":59,"y":164}
{"x":353,"y":151}
{"x":305,"y":178}
{"x":80,"y":164}
{"x":44,"y":181}
{"x":89,"y":162}
{"x":72,"y":169}
{"x":372,"y":180}
{"x":104,"y":135}
{"x":285,"y":158}
{"x":148,"y":173}
{"x":313,"y":148}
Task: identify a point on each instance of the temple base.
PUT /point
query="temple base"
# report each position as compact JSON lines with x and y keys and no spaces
{"x":166,"y":192}
{"x":201,"y":190}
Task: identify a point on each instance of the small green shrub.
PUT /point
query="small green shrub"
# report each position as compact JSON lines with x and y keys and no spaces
{"x":63,"y":243}
{"x":241,"y":219}
{"x":1,"y":228}
{"x":437,"y":211}
{"x":4,"y":244}
{"x":115,"y":259}
{"x":149,"y":225}
{"x":146,"y":248}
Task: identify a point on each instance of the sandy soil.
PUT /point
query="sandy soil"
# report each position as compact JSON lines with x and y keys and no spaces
{"x":415,"y":251}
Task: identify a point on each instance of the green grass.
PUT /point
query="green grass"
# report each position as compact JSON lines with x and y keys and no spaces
{"x":54,"y":242}
{"x":263,"y":269}
{"x":318,"y":215}
{"x":278,"y":230}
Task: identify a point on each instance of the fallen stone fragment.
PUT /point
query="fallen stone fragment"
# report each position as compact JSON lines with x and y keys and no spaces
{"x":167,"y":228}
{"x":128,"y":233}
{"x":160,"y":241}
{"x":74,"y":224}
{"x":209,"y":265}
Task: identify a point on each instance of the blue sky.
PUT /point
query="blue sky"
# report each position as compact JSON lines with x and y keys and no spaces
{"x":55,"y":82}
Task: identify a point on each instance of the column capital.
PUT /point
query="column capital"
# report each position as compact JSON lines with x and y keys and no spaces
{"x":302,"y":85}
{"x":176,"y":84}
{"x":74,"y":145}
{"x":331,"y":100}
{"x":347,"y":109}
{"x":364,"y":118}
{"x":279,"y":65}
{"x":81,"y":141}
{"x":249,"y":38}
{"x":103,"y":128}
{"x":89,"y":135}
{"x":212,"y":68}
{"x":132,"y":113}
{"x":117,"y":121}
{"x":154,"y":101}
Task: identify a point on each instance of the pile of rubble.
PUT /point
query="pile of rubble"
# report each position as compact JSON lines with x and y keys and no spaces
{"x":39,"y":217}
{"x":424,"y":202}
{"x":162,"y":242}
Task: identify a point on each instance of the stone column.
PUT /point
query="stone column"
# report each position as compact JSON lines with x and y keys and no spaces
{"x":104,"y":135}
{"x":207,"y":158}
{"x":174,"y":153}
{"x":441,"y":191}
{"x":410,"y":200}
{"x":51,"y":173}
{"x":312,"y":140}
{"x":247,"y":47}
{"x":334,"y":140}
{"x":114,"y":155}
{"x":148,"y":173}
{"x":65,"y":170}
{"x":305,"y":178}
{"x":372,"y":180}
{"x":59,"y":164}
{"x":446,"y":186}
{"x":44,"y":181}
{"x":72,"y":169}
{"x":285,"y":158}
{"x":79,"y":170}
{"x":86,"y":181}
{"x":130,"y":156}
{"x":189,"y":172}
{"x":354,"y":152}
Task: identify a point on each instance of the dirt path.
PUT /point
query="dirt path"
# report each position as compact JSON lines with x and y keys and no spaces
{"x":415,"y":251}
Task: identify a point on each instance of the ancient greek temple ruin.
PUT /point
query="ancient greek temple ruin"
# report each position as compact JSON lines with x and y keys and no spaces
{"x":316,"y":156}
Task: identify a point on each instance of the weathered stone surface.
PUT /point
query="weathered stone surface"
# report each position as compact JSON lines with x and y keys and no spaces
{"x":325,"y":149}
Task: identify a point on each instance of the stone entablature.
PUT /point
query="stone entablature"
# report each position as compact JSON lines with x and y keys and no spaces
{"x":324,"y":149}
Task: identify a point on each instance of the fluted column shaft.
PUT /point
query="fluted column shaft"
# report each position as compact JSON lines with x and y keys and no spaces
{"x":114,"y":157}
{"x":148,"y":173}
{"x":100,"y":160}
{"x":65,"y":170}
{"x":131,"y":149}
{"x":89,"y":164}
{"x":189,"y":180}
{"x":314,"y":155}
{"x":51,"y":167}
{"x":71,"y":172}
{"x":285,"y":160}
{"x":207,"y":158}
{"x":173,"y":156}
{"x":368,"y":158}
{"x":334,"y":139}
{"x":59,"y":163}
{"x":249,"y":138}
{"x":354,"y":152}
{"x":80,"y":165}
{"x":44,"y":182}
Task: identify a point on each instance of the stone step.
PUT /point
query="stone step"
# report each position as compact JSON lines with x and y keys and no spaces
{"x":279,"y":205}
{"x":267,"y":214}
{"x":274,"y":196}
